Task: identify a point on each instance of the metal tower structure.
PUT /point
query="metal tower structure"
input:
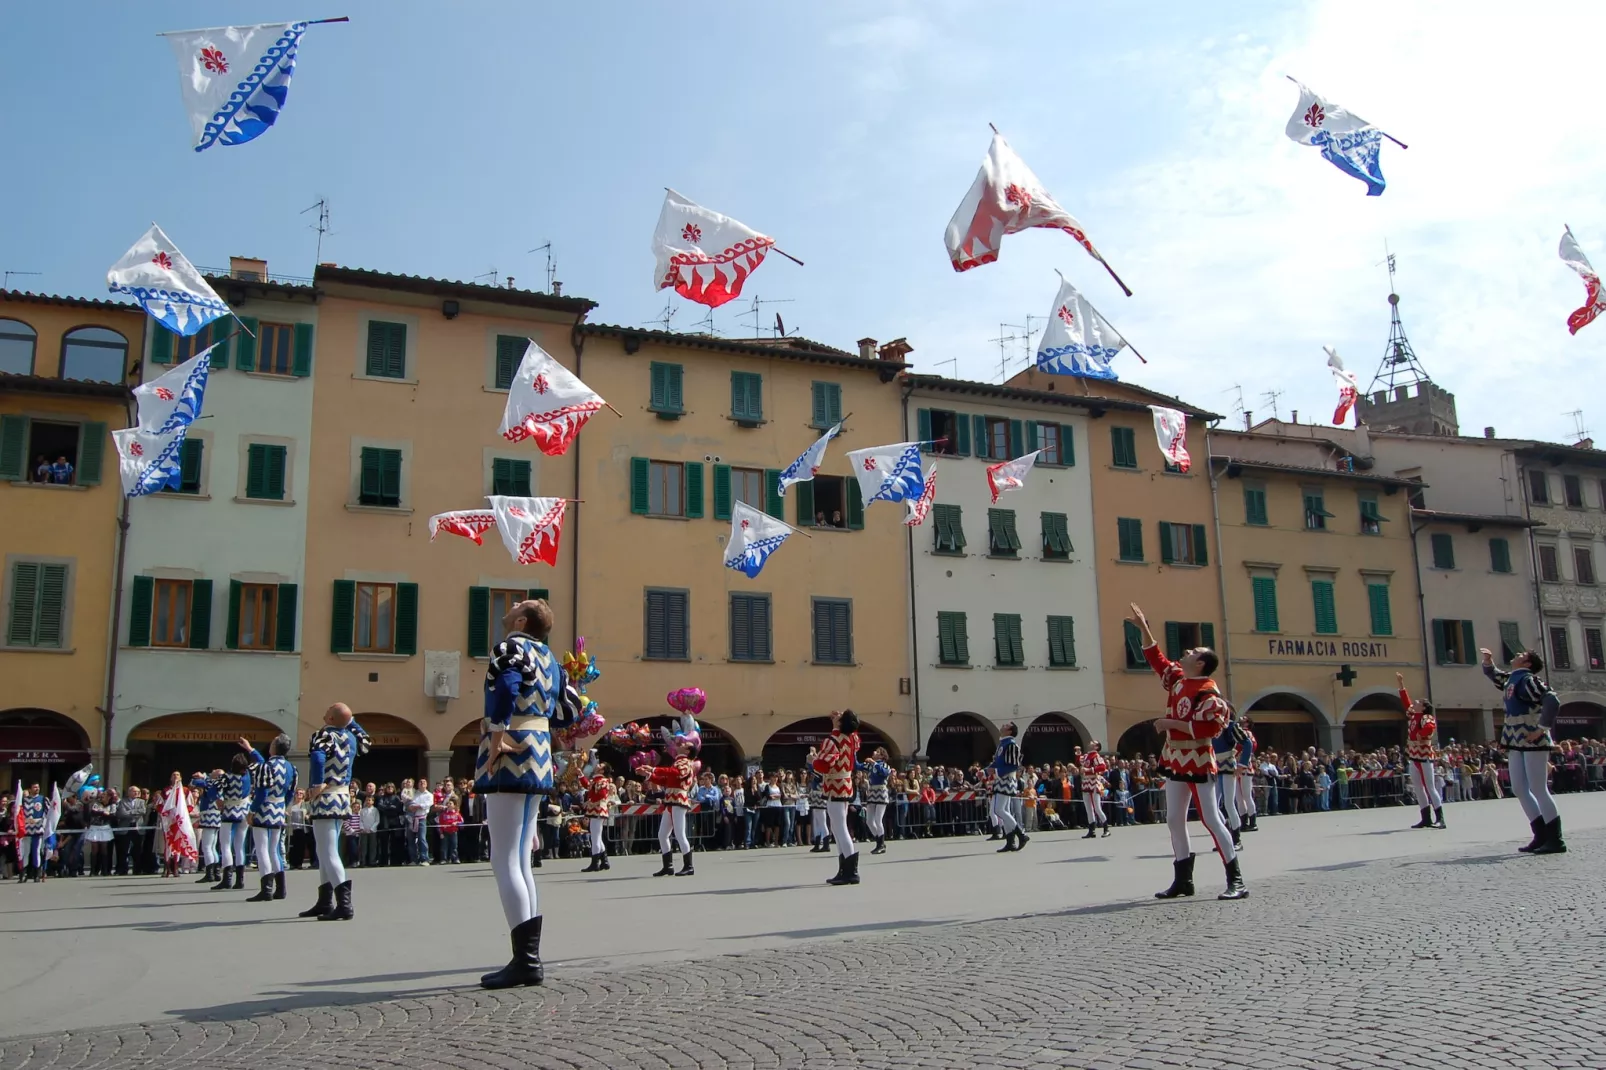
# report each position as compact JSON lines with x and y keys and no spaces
{"x":1400,"y":366}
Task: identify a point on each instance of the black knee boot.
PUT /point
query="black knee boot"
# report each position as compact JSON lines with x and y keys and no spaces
{"x":880,"y":846}
{"x":686,"y":869}
{"x":1235,"y":883}
{"x":1427,"y":819}
{"x":326,"y":898}
{"x":668,"y":868}
{"x":342,"y":909}
{"x":1092,"y":831}
{"x":278,"y":885}
{"x":1552,"y":844}
{"x":594,"y":866}
{"x":265,"y":892}
{"x":1021,"y":839}
{"x":1538,"y":825}
{"x":602,"y":859}
{"x":1009,"y":843}
{"x":1237,"y":842}
{"x":1181,"y":879}
{"x":1438,"y":817}
{"x":525,"y":966}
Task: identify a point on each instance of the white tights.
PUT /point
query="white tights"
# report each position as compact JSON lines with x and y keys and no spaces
{"x":673,"y":819}
{"x":231,"y":843}
{"x":1427,"y":791}
{"x":1229,"y":800}
{"x":209,"y":847}
{"x":837,"y":809}
{"x":1530,"y":782}
{"x":1246,"y":795}
{"x":1002,"y":816}
{"x":597,"y":848}
{"x":326,"y":834}
{"x":1178,"y":794}
{"x":513,"y":821}
{"x":873,"y":812}
{"x":267,"y":841}
{"x":1094,"y":802}
{"x":817,"y":824}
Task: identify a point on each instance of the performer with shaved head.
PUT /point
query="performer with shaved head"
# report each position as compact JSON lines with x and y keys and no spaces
{"x":332,"y":751}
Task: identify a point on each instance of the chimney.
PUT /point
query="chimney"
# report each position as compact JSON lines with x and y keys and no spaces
{"x":1584,"y":444}
{"x":898,"y":349}
{"x":510,"y":282}
{"x":1488,"y":432}
{"x":557,"y":288}
{"x":248,"y":268}
{"x":867,"y":348}
{"x":1294,"y":418}
{"x":1248,"y":417}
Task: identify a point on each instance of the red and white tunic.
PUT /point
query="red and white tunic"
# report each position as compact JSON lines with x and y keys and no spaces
{"x":835,"y":762}
{"x":1093,"y":769}
{"x":1419,"y":729}
{"x":599,"y":795}
{"x":676,"y":780}
{"x":1189,"y":753}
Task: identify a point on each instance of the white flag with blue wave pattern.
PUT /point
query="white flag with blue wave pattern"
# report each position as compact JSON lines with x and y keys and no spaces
{"x":150,"y":456}
{"x":889,"y":473}
{"x":235,"y":79}
{"x":1077,"y":340}
{"x":1347,"y":141}
{"x":802,"y":470}
{"x":754,"y":536}
{"x":166,"y":285}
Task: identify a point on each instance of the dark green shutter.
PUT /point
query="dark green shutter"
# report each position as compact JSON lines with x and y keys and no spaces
{"x":479,"y":621}
{"x":676,"y":400}
{"x":1207,"y":635}
{"x":52,"y":619}
{"x":140,"y":600}
{"x":1254,"y":506}
{"x":747,"y":397}
{"x":301,"y":360}
{"x":1443,"y":551}
{"x":1067,"y":445}
{"x":666,"y":388}
{"x":1265,"y":598}
{"x":537,"y":594}
{"x":856,"y":506}
{"x":276,"y":457}
{"x":189,"y":468}
{"x":245,"y":347}
{"x":1031,"y":436}
{"x":1499,"y":555}
{"x":804,"y":493}
{"x":922,"y":427}
{"x":1441,"y":648}
{"x":825,"y":413}
{"x":407,"y":618}
{"x":984,"y":445}
{"x":200,"y":614}
{"x":14,"y":448}
{"x":1510,"y":641}
{"x":1377,"y":596}
{"x":343,"y":617}
{"x":694,"y":489}
{"x":284,"y":637}
{"x":640,"y":477}
{"x":1016,"y":439}
{"x":722,"y":492}
{"x":501,"y":475}
{"x":963,"y":446}
{"x":1321,"y":592}
{"x":256,"y":471}
{"x":741,"y":633}
{"x":1469,"y":645}
{"x":774,"y":504}
{"x":1201,"y":555}
{"x":24,"y":604}
{"x":392,"y":460}
{"x":1165,"y":543}
{"x":91,"y":454}
{"x":387,"y":349}
{"x":370,"y":483}
{"x":1134,"y":643}
{"x":1173,"y":640}
{"x":161,"y":344}
{"x":231,"y":630}
{"x":510,"y":351}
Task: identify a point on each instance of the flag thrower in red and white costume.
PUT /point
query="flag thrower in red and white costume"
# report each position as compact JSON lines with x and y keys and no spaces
{"x":702,"y":255}
{"x":1007,"y":198}
{"x":835,"y":761}
{"x":546,"y":403}
{"x":600,"y":797}
{"x":1349,"y":387}
{"x":677,"y":779}
{"x":1594,"y":300}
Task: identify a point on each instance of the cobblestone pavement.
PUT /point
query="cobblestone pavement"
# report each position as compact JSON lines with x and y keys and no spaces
{"x":1474,"y":957}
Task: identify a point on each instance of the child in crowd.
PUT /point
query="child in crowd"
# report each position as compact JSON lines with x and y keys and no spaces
{"x":450,"y":821}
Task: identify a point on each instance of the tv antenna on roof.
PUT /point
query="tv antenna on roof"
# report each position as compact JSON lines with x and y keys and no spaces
{"x":663,"y":318}
{"x":493,"y":275}
{"x":1272,"y":396}
{"x":7,"y":284}
{"x":1579,"y":429}
{"x":1400,"y":367}
{"x":707,"y":323}
{"x":1003,"y":341}
{"x":551,"y":266}
{"x":756,"y":311}
{"x":321,"y":226}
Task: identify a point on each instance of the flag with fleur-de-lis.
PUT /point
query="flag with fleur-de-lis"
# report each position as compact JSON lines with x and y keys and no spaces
{"x":889,"y":473}
{"x":1347,"y":141}
{"x":1077,"y":340}
{"x":150,"y":455}
{"x":166,"y":285}
{"x":471,"y":524}
{"x":530,"y":527}
{"x":546,"y":403}
{"x":235,"y":79}
{"x":706,"y":257}
{"x":754,"y":537}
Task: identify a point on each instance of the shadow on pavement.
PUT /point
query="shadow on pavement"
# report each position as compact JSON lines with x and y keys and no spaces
{"x":1334,"y":868}
{"x":291,"y":1001}
{"x":719,"y":891}
{"x":166,"y":926}
{"x":1474,"y":860}
{"x":840,"y":930}
{"x":1085,"y":858}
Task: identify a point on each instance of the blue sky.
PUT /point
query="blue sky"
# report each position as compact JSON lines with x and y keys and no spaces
{"x":451,"y":139}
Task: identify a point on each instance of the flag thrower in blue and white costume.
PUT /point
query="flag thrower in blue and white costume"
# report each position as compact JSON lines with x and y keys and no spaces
{"x":1347,"y":141}
{"x":331,"y":752}
{"x":754,"y":537}
{"x":1006,"y":801}
{"x":208,"y":820}
{"x":889,"y":473}
{"x":234,"y":793}
{"x":877,"y":773}
{"x":1077,"y":340}
{"x":274,"y":782}
{"x":803,"y":469}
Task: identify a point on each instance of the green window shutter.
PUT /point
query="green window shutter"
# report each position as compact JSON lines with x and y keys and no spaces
{"x":369,"y":483}
{"x":231,"y":628}
{"x":301,"y":359}
{"x":1056,"y":535}
{"x":1031,"y":436}
{"x":1173,"y":640}
{"x":161,"y":344}
{"x":245,"y":347}
{"x":1377,"y":597}
{"x":343,"y":617}
{"x":741,"y":631}
{"x":1499,"y":555}
{"x":948,"y":530}
{"x":140,"y":601}
{"x":855,"y":506}
{"x":23,"y":630}
{"x":1441,"y":648}
{"x":1443,"y":551}
{"x":774,"y":504}
{"x":1007,"y":645}
{"x":694,"y":489}
{"x":1067,"y":445}
{"x":407,"y":618}
{"x":387,"y":349}
{"x":392,"y":476}
{"x":747,"y":397}
{"x":1255,"y":506}
{"x":983,"y":444}
{"x":1165,"y":543}
{"x":1130,"y":531}
{"x":479,"y":622}
{"x":822,"y":408}
{"x":1201,"y":551}
{"x":256,"y":470}
{"x":1510,"y":641}
{"x":676,"y":401}
{"x":833,"y":405}
{"x":1011,"y":536}
{"x":1265,"y":597}
{"x":539,"y":594}
{"x":804,"y":493}
{"x":284,"y":637}
{"x":1321,"y":592}
{"x":922,"y":424}
{"x":1469,"y":644}
{"x":722,"y":492}
{"x":1123,"y":447}
{"x":276,"y":458}
{"x":189,"y":468}
{"x":91,"y":454}
{"x":52,"y":619}
{"x":963,"y":445}
{"x":1061,"y":641}
{"x":520,"y":481}
{"x":1207,"y":634}
{"x":1134,"y":643}
{"x":666,"y":388}
{"x":200,"y":614}
{"x":510,"y":476}
{"x":14,"y":448}
{"x":640,"y":474}
{"x":510,"y":351}
{"x":961,"y":639}
{"x":945,"y":639}
{"x":1017,"y":648}
{"x":1017,"y":440}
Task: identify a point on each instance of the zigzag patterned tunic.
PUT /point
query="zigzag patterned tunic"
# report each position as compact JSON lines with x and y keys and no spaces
{"x":207,"y":814}
{"x":275,"y":780}
{"x":523,"y":707}
{"x":331,"y":755}
{"x":233,"y":791}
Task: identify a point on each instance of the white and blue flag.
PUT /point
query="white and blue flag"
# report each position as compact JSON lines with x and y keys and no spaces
{"x":754,"y":536}
{"x":166,"y":284}
{"x":889,"y":473}
{"x":1077,"y":340}
{"x":150,"y":455}
{"x":803,"y":469}
{"x":1347,"y":141}
{"x":235,"y":79}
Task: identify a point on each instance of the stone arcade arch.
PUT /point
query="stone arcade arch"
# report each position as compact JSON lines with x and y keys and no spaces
{"x":1286,"y":720}
{"x":1052,"y":737}
{"x":788,"y":748}
{"x":961,"y":739}
{"x":40,"y":746}
{"x":190,"y":742}
{"x":1374,"y":720}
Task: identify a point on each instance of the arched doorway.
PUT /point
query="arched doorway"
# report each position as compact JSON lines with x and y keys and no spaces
{"x":397,"y":752}
{"x":190,"y":743}
{"x":1581,"y":720}
{"x":1139,"y":741}
{"x":1375,"y":722}
{"x":1284,"y":722}
{"x":788,"y":748}
{"x":1052,"y":737}
{"x":720,"y":753}
{"x":960,"y":740}
{"x":40,"y":747}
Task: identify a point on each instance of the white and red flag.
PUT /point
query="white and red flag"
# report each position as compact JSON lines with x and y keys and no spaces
{"x":1010,"y":475}
{"x":1595,"y":302}
{"x":1349,"y":388}
{"x":1006,"y":198}
{"x":469,"y":523}
{"x":706,"y":257}
{"x":1171,"y":429}
{"x":530,"y":527}
{"x":546,"y":403}
{"x":920,"y":508}
{"x":178,"y":831}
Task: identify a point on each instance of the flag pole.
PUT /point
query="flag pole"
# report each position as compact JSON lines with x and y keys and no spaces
{"x":788,"y":255}
{"x":615,"y":411}
{"x":1124,"y":287}
{"x":205,"y":29}
{"x":1106,"y":319}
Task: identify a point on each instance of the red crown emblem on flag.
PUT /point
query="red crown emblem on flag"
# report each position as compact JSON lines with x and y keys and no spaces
{"x":214,"y":61}
{"x":514,"y":510}
{"x":1315,"y":116}
{"x":746,"y":524}
{"x":163,"y":261}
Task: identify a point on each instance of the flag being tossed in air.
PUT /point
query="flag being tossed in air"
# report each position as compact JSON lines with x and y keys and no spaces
{"x":920,"y":508}
{"x":166,"y":284}
{"x":546,"y":403}
{"x":1007,"y":198}
{"x":1347,"y":141}
{"x":235,"y":79}
{"x":889,"y":473}
{"x":706,"y":257}
{"x":1349,"y":388}
{"x":470,"y":523}
{"x":754,"y":537}
{"x":530,"y":527}
{"x":1010,"y":475}
{"x":1171,"y":430}
{"x":1594,"y":300}
{"x":1077,"y":340}
{"x":150,"y":455}
{"x":808,"y":463}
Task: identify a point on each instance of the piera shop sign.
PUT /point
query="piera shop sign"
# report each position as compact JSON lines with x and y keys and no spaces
{"x":1326,"y":648}
{"x":41,"y":757}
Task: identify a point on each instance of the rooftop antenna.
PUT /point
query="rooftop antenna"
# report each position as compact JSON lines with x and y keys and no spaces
{"x":1579,"y":430}
{"x":1400,"y":367}
{"x":7,"y":284}
{"x":1272,"y":396}
{"x":1238,"y":402}
{"x":756,"y":311}
{"x":1004,"y":341}
{"x":494,"y":275}
{"x":321,"y":226}
{"x":552,"y":267}
{"x":707,"y":323}
{"x":954,"y":362}
{"x":663,"y":318}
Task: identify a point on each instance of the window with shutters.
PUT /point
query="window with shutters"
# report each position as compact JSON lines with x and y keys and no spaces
{"x":276,"y":348}
{"x":747,"y":485}
{"x":1572,"y":491}
{"x":375,"y":619}
{"x":831,"y":502}
{"x":387,"y":350}
{"x":747,"y":398}
{"x":666,"y":489}
{"x":501,"y":603}
{"x":1255,"y":505}
{"x":50,"y":453}
{"x":1183,"y":544}
{"x":217,"y":332}
{"x":1561,"y":650}
{"x":191,"y":456}
{"x":1008,"y":649}
{"x":1123,"y":447}
{"x":948,"y":431}
{"x":1377,"y":602}
{"x":1316,"y":514}
{"x":1129,"y":534}
{"x":667,"y":626}
{"x":257,"y":622}
{"x":1061,"y":642}
{"x":953,"y":644}
{"x":1583,"y":566}
{"x":18,"y":343}
{"x":1453,"y":642}
{"x":1499,"y":555}
{"x":750,"y":627}
{"x":1372,"y":518}
{"x":1592,"y":650}
{"x":1443,"y":550}
{"x":826,"y":410}
{"x":1181,"y":636}
{"x":1132,"y":645}
{"x":1538,"y":487}
{"x":1002,"y":538}
{"x":1264,"y":592}
{"x":510,"y":476}
{"x":1056,"y":537}
{"x":948,"y":530}
{"x":665,"y":393}
{"x":997,"y":438}
{"x":170,"y":613}
{"x":380,"y":477}
{"x":1048,"y":441}
{"x":1549,"y":564}
{"x":37,"y":596}
{"x":1510,"y":641}
{"x":1325,"y":606}
{"x":510,"y":351}
{"x":265,"y":471}
{"x":833,"y":631}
